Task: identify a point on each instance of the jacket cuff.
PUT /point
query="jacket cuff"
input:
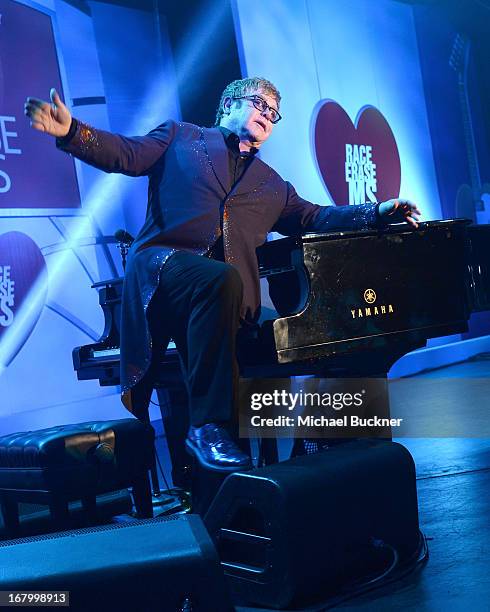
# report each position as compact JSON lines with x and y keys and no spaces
{"x":62,"y":142}
{"x":81,"y":138}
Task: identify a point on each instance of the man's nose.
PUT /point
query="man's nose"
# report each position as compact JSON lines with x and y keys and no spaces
{"x":266,"y":113}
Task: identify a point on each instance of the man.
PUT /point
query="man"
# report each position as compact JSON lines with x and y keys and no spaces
{"x":192,"y":270}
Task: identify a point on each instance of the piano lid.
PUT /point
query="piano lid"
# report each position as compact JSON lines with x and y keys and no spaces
{"x":394,"y":228}
{"x":370,"y":285}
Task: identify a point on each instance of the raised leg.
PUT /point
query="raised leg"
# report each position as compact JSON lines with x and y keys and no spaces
{"x":199,"y":300}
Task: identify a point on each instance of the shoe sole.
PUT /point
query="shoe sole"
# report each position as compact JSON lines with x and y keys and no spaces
{"x":212,"y":466}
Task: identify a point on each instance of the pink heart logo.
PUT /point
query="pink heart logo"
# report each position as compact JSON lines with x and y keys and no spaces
{"x":356,"y":161}
{"x":21,"y":265}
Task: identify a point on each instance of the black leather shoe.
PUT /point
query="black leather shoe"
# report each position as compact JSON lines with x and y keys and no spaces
{"x":215,"y":450}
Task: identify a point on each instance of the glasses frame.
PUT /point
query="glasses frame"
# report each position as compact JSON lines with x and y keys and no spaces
{"x":254,"y":99}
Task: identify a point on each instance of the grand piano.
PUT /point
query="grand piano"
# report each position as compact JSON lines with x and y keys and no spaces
{"x":347,"y":303}
{"x":354,"y":301}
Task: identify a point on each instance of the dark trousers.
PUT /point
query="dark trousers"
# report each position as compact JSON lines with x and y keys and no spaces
{"x":198,"y":304}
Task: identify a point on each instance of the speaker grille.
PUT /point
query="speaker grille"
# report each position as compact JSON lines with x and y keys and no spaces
{"x":86,"y":530}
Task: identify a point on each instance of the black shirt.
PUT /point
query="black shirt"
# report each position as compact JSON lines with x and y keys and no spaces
{"x":238,"y":162}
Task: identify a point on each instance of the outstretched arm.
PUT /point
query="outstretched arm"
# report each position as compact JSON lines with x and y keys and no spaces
{"x":134,"y":156}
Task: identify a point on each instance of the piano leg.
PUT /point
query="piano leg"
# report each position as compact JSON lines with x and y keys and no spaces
{"x":379,"y":406}
{"x":376,"y":403}
{"x":268,"y":452}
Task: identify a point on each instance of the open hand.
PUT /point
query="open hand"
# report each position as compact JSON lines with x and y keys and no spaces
{"x":400,"y":210}
{"x":54,"y":118}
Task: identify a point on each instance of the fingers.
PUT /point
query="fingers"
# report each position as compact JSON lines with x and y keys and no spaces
{"x":411,"y":221}
{"x":55,"y":99}
{"x":37,"y":125}
{"x":409,"y":210}
{"x":409,"y":205}
{"x":35,"y":103}
{"x":37,"y":110}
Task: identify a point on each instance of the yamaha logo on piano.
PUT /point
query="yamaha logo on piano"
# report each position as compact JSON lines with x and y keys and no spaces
{"x":370,"y":296}
{"x":371,"y":310}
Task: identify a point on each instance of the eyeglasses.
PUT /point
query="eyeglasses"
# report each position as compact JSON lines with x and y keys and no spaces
{"x":261,"y":105}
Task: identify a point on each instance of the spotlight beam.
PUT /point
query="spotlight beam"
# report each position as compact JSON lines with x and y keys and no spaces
{"x":106,"y":189}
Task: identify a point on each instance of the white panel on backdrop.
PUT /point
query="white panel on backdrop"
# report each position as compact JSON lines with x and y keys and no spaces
{"x":75,"y":30}
{"x":377,"y":63}
{"x":276,"y":44}
{"x":76,"y":39}
{"x":356,"y":53}
{"x":140,"y":87}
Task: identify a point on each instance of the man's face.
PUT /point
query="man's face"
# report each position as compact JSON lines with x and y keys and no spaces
{"x":247,"y":121}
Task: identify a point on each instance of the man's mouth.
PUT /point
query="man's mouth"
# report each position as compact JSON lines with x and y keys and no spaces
{"x":262,"y":124}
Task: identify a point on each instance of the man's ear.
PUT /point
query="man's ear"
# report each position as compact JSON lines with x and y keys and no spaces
{"x":227,"y":105}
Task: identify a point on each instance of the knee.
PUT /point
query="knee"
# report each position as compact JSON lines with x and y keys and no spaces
{"x":229,"y":281}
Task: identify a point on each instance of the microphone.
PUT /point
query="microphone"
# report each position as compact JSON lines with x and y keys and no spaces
{"x":123,"y":236}
{"x":125,"y":240}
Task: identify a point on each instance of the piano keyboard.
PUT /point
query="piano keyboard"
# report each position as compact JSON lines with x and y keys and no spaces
{"x":114,"y":353}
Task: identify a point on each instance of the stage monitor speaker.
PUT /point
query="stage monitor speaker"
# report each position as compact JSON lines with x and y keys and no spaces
{"x":301,"y":530}
{"x":166,"y":565}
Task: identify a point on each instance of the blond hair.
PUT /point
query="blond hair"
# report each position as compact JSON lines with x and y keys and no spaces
{"x":243,"y":87}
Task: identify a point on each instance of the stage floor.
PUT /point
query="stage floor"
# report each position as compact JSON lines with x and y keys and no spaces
{"x":453,"y":481}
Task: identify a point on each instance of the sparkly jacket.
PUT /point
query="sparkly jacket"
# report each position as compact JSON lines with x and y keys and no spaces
{"x":187,"y":169}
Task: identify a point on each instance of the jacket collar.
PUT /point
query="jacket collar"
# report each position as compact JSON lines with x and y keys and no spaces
{"x":257,"y":173}
{"x":217,"y":155}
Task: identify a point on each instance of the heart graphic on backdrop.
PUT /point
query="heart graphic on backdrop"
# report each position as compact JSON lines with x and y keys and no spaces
{"x":22,"y":267}
{"x":334,"y":130}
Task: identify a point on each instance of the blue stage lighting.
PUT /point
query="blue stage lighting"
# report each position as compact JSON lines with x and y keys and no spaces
{"x":108,"y":188}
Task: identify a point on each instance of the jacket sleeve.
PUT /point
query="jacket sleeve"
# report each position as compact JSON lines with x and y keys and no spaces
{"x":300,"y":216}
{"x":134,"y":156}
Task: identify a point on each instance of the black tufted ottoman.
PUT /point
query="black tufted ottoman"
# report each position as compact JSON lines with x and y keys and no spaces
{"x":57,"y":465}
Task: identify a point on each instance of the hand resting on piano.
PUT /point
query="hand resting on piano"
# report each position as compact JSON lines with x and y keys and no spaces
{"x":400,"y":210}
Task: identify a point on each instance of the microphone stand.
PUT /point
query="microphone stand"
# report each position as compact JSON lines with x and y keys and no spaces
{"x":123,"y":249}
